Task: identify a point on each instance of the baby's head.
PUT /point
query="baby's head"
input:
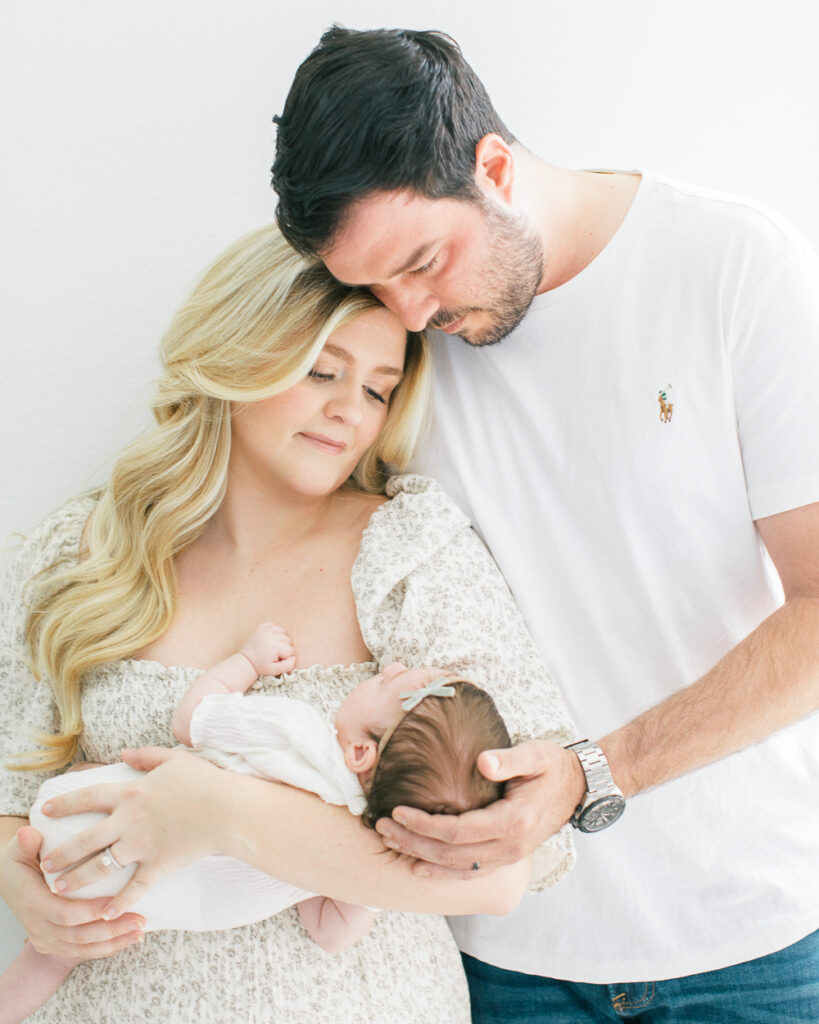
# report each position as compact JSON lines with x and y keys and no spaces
{"x":420,"y":754}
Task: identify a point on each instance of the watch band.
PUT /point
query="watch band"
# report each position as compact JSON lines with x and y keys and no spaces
{"x":603,"y":803}
{"x":595,"y":767}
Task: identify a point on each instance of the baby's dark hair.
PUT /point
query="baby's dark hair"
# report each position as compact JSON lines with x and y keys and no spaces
{"x":430,"y":760}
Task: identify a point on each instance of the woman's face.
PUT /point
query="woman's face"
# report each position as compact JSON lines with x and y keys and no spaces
{"x":310,"y":438}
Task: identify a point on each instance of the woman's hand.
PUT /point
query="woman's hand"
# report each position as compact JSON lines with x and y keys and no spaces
{"x":68,"y":928}
{"x":162,"y":821}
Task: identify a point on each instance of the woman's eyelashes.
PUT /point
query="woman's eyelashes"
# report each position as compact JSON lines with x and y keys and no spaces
{"x":376,"y":396}
{"x":326,"y":376}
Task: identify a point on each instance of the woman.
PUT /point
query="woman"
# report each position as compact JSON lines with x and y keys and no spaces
{"x":261,"y":494}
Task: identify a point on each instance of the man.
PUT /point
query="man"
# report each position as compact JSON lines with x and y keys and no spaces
{"x":646,"y":424}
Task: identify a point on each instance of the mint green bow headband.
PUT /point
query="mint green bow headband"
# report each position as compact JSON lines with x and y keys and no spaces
{"x":437,"y":688}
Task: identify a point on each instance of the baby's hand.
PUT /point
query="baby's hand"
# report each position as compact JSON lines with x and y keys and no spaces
{"x":269,"y":650}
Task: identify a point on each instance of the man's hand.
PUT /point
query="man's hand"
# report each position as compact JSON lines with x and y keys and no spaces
{"x":544,"y":784}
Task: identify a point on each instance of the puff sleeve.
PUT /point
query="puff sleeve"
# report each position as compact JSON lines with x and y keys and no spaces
{"x":28,"y":703}
{"x":429,"y":593}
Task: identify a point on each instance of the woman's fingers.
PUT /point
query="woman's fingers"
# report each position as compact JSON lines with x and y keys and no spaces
{"x":128,"y":896}
{"x":96,"y":868}
{"x":29,"y":842}
{"x":79,"y":848}
{"x":97,"y":950}
{"x":145,"y":759}
{"x":101,"y":798}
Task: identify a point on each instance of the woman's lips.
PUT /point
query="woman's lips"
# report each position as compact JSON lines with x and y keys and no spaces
{"x":324,"y":444}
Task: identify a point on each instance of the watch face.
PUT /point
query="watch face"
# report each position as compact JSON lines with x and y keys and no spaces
{"x":601,"y":813}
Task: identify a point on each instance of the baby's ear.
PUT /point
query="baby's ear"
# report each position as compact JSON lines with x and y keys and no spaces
{"x":360,"y":757}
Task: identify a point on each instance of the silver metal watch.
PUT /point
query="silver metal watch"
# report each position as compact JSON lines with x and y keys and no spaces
{"x":603,"y":803}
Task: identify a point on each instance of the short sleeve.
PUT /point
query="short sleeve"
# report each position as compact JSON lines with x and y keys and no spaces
{"x":28,"y":703}
{"x":774,"y":351}
{"x":454,"y":610}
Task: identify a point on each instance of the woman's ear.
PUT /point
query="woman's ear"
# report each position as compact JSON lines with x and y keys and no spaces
{"x":360,"y":757}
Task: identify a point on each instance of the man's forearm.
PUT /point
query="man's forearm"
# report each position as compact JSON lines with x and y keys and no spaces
{"x":766,"y":682}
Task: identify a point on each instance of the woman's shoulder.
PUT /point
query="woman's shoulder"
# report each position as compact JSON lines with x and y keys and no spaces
{"x":56,"y":539}
{"x":414,"y":496}
{"x":420,"y":517}
{"x":406,"y":532}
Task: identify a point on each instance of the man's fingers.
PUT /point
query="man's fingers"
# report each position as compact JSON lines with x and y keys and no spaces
{"x":526,"y":759}
{"x":477,"y":826}
{"x":433,"y":851}
{"x":425,"y":869}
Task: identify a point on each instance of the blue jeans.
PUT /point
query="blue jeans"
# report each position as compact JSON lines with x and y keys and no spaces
{"x":782,"y":988}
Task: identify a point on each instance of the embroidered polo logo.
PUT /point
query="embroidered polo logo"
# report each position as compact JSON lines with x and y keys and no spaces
{"x":666,"y":405}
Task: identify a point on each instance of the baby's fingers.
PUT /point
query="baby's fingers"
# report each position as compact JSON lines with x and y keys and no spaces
{"x":287,"y":664}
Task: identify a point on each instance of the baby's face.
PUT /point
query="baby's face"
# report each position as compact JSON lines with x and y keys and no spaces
{"x":374,"y":704}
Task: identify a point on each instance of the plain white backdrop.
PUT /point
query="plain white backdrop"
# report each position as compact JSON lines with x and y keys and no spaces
{"x":138,"y":141}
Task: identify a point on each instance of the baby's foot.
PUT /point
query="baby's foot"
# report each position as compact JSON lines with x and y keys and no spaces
{"x":269,"y":650}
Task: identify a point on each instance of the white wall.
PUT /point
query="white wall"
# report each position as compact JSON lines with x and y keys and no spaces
{"x":138,"y":141}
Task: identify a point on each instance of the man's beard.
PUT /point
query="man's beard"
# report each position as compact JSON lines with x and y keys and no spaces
{"x":509,"y":280}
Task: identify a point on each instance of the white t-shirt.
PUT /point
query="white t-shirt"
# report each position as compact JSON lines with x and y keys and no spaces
{"x":626,"y":533}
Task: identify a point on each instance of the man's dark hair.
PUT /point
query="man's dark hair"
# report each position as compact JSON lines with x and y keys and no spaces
{"x":376,"y":111}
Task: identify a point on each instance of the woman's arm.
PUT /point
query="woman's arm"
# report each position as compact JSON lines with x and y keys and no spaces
{"x":283,"y":831}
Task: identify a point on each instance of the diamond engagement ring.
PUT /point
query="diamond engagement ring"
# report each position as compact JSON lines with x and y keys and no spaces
{"x":109,"y":861}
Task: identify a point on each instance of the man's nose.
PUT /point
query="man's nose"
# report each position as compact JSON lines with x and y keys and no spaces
{"x":414,"y":306}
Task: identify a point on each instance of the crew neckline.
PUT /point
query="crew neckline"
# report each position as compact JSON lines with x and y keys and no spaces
{"x":611,"y":248}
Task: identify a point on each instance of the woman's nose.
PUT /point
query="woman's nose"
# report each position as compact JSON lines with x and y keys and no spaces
{"x":346,"y":405}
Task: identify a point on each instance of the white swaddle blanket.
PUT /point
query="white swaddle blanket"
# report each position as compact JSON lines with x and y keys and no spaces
{"x":270,"y":737}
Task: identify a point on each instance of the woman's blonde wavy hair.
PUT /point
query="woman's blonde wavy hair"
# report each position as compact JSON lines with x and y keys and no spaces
{"x":252,"y":327}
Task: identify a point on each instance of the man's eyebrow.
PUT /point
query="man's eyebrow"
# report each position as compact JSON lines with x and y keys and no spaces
{"x":345,"y":356}
{"x":416,"y":257}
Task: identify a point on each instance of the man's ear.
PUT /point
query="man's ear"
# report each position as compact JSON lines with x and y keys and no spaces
{"x":360,"y":757}
{"x":495,"y":167}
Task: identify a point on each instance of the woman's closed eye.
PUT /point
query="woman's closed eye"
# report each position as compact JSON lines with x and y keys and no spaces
{"x":329,"y":375}
{"x":373,"y":394}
